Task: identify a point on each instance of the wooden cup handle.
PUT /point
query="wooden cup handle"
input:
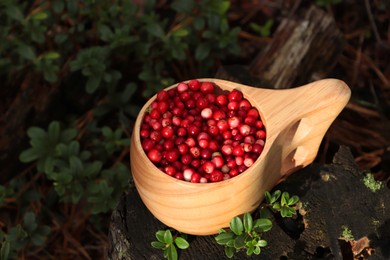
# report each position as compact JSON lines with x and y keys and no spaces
{"x":297,"y":119}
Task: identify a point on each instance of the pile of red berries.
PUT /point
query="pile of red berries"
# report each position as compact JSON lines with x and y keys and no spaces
{"x":193,"y":134}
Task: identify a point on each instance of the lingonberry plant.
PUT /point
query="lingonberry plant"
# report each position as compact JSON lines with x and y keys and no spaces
{"x":208,"y":136}
{"x":244,"y":232}
{"x":282,"y":203}
{"x":168,"y":243}
{"x":244,"y":235}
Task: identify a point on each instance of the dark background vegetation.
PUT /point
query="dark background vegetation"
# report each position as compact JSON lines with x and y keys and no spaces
{"x":73,"y":75}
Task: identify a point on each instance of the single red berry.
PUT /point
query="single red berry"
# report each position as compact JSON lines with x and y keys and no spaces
{"x":216,"y":176}
{"x":253,"y":113}
{"x":169,"y":144}
{"x":186,"y":159}
{"x":190,"y":142}
{"x":233,"y":105}
{"x":154,"y":155}
{"x":162,"y":95}
{"x":260,"y":134}
{"x":238,"y":150}
{"x":244,"y":105}
{"x":155,"y":113}
{"x":182,"y":87}
{"x":203,"y":143}
{"x":172,"y":155}
{"x":219,"y":115}
{"x":235,"y":95}
{"x":195,"y":178}
{"x":227,"y":149}
{"x":206,"y":113}
{"x":207,"y":87}
{"x":194,"y":85}
{"x":179,"y":176}
{"x":167,"y":132}
{"x":170,"y":170}
{"x":195,"y":151}
{"x":144,"y":133}
{"x":147,"y":144}
{"x":245,"y":129}
{"x":221,"y":100}
{"x":257,"y":148}
{"x":202,"y":102}
{"x":162,"y":106}
{"x":233,"y":172}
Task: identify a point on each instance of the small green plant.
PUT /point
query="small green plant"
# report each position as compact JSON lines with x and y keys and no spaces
{"x":263,"y":30}
{"x":244,"y":235}
{"x":22,"y":235}
{"x":168,"y":243}
{"x":370,"y":182}
{"x":282,"y":202}
{"x":347,"y":234}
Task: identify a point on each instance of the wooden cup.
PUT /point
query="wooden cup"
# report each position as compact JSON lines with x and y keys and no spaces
{"x":296,"y":121}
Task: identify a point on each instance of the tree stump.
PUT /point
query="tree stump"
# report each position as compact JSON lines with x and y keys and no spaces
{"x":334,"y":198}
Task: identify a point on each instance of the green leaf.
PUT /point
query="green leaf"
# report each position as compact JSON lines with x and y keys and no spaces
{"x":239,"y":242}
{"x":52,"y":55}
{"x":172,"y":252}
{"x":262,"y":243}
{"x":93,"y":84}
{"x":158,"y":245}
{"x":276,"y":195}
{"x":168,"y":237}
{"x":26,"y":52}
{"x":293,"y":200}
{"x":29,"y":155}
{"x":29,"y":221}
{"x":223,"y":7}
{"x":268,"y":197}
{"x":76,"y":164}
{"x":249,"y":250}
{"x":54,"y":131}
{"x":105,"y":32}
{"x":5,"y":249}
{"x":181,"y":243}
{"x":263,"y":224}
{"x":14,"y":12}
{"x":180,"y":32}
{"x":42,"y":15}
{"x":229,"y":251}
{"x":257,"y":250}
{"x":287,"y":212}
{"x":285,"y":198}
{"x":223,"y":238}
{"x":276,"y":206}
{"x":236,"y":226}
{"x":68,"y":134}
{"x":202,"y":51}
{"x":248,"y":222}
{"x":155,"y":29}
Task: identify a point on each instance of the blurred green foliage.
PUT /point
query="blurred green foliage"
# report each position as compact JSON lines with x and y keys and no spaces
{"x":115,"y":52}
